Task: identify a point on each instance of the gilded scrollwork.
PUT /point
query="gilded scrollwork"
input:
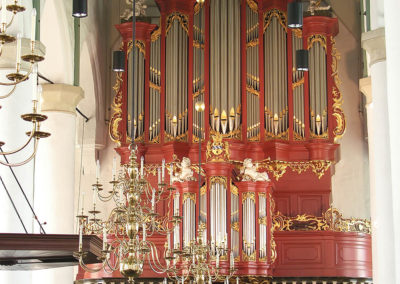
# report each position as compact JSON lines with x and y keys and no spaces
{"x":331,"y":220}
{"x":316,"y":38}
{"x":281,"y":16}
{"x":338,"y":113}
{"x":182,"y":18}
{"x":139,"y":44}
{"x":116,"y":117}
{"x":272,"y":241}
{"x":249,"y":195}
{"x":234,"y":189}
{"x":189,"y":195}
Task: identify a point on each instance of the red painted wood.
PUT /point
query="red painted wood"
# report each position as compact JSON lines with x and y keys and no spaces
{"x":323,"y":254}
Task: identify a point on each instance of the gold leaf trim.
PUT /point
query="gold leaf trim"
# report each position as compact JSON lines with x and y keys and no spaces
{"x":297,"y":33}
{"x":154,"y":86}
{"x":116,"y":106}
{"x":234,"y":189}
{"x":156,"y":34}
{"x":249,"y":195}
{"x":235,"y":226}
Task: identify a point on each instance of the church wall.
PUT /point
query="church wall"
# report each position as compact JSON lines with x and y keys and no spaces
{"x":350,"y":183}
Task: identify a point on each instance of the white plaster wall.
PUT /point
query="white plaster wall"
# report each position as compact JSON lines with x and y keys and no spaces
{"x":350,"y":184}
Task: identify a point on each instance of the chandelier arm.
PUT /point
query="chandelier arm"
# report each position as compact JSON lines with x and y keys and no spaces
{"x":11,"y":21}
{"x":112,"y":268}
{"x":31,"y":135}
{"x":23,"y":162}
{"x":88,"y":269}
{"x":25,"y":77}
{"x":9,"y":94}
{"x":155,"y":259}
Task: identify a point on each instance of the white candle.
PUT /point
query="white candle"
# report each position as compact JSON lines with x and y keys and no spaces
{"x":34,"y":82}
{"x":141,"y":166}
{"x":232,"y":264}
{"x":104,"y":238}
{"x":3,"y":12}
{"x":163,"y":169}
{"x":153,"y":199}
{"x":97,"y":169}
{"x":159,"y":175}
{"x":144,"y":232}
{"x":168,"y":240}
{"x":80,"y":237}
{"x":33,"y":26}
{"x":237,"y":280}
{"x":19,"y":53}
{"x":217,"y":260}
{"x":114,"y":168}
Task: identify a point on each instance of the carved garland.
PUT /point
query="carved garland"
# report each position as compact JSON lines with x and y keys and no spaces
{"x":116,"y":117}
{"x":316,"y":38}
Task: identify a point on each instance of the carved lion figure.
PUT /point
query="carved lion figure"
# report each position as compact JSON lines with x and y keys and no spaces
{"x":185,"y":173}
{"x":249,"y":172}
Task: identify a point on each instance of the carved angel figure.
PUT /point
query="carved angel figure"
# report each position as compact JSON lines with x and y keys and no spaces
{"x":185,"y":173}
{"x":249,"y":172}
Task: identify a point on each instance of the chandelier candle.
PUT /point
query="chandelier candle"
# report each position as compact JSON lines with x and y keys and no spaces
{"x":34,"y":81}
{"x":33,"y":29}
{"x":141,"y":166}
{"x":18,"y":61}
{"x":97,"y":169}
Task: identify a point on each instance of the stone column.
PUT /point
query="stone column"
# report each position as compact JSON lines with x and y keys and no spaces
{"x":391,"y":9}
{"x":55,"y":172}
{"x":383,"y":242}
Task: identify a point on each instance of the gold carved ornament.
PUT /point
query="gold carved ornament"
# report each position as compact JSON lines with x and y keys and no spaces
{"x":219,"y":179}
{"x":252,"y":5}
{"x":189,"y":195}
{"x":297,"y":33}
{"x":182,"y":18}
{"x":338,"y":113}
{"x":281,"y":16}
{"x":272,"y":241}
{"x":331,"y":220}
{"x":279,"y":168}
{"x":298,"y":83}
{"x":316,"y":38}
{"x":217,"y":149}
{"x":235,"y":226}
{"x":249,"y":195}
{"x":156,"y":34}
{"x":116,"y":106}
{"x":139,"y":44}
{"x":234,"y":190}
{"x":247,"y":257}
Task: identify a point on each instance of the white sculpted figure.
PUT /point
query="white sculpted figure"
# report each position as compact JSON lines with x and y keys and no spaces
{"x":185,"y":174}
{"x":249,"y":172}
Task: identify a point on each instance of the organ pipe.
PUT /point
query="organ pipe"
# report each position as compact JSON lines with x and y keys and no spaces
{"x":176,"y":77}
{"x":225,"y":66}
{"x":155,"y":87}
{"x":298,"y":89}
{"x":275,"y":66}
{"x":318,"y":88}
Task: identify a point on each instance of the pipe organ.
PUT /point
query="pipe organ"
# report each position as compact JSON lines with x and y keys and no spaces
{"x":238,"y":57}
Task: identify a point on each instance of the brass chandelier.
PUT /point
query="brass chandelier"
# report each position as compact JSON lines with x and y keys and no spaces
{"x":18,"y":77}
